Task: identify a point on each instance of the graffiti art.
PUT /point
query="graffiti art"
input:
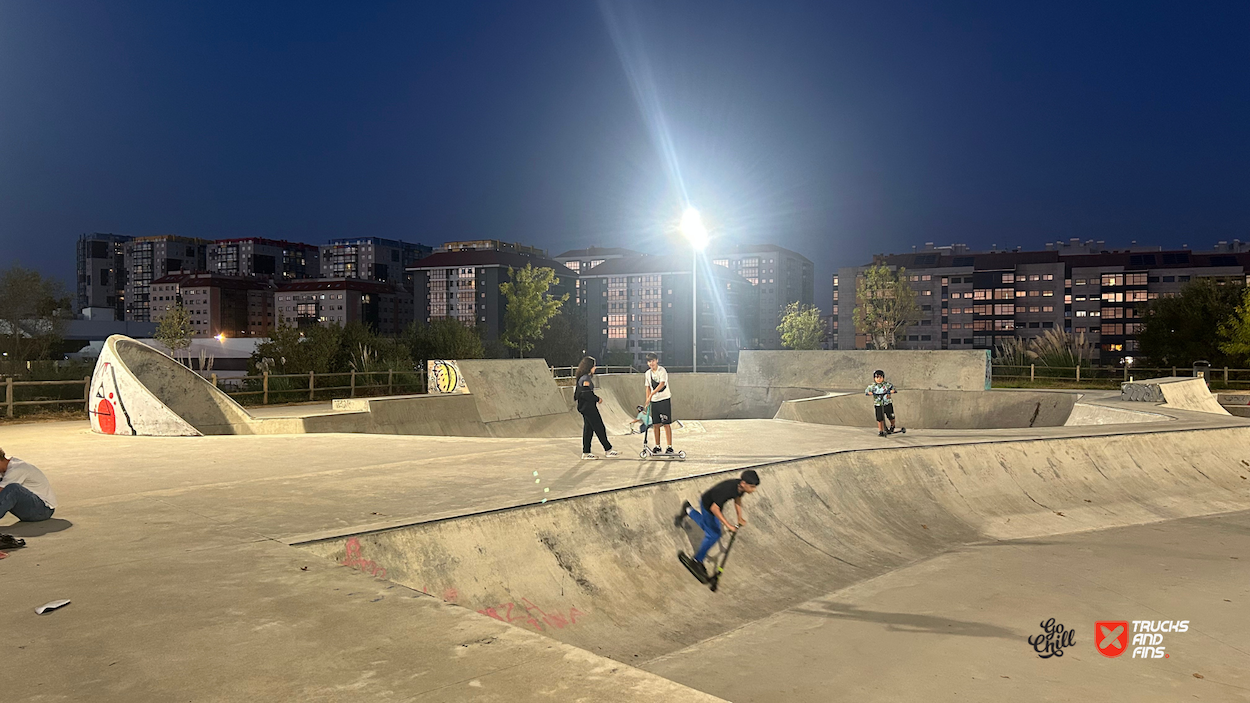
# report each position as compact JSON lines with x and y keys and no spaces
{"x":445,"y":377}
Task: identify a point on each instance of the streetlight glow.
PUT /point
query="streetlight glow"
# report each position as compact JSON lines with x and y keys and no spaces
{"x":221,"y":336}
{"x":693,"y":229}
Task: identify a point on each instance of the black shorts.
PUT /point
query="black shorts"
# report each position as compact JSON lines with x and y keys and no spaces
{"x":884,"y":411}
{"x":662,"y":412}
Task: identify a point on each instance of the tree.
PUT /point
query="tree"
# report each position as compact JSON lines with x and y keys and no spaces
{"x":1186,"y":328}
{"x":444,"y":338}
{"x":801,"y":327}
{"x":291,"y":349}
{"x":564,"y":342}
{"x":174,"y":329}
{"x":1235,"y":332}
{"x":885,"y":304}
{"x":32,"y":313}
{"x":529,"y":306}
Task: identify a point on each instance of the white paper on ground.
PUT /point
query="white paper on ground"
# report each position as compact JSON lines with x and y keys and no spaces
{"x":53,"y":605}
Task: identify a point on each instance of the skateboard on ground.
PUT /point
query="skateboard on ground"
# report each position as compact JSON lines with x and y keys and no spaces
{"x":900,"y":430}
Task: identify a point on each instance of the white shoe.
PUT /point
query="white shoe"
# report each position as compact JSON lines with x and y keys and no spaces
{"x":613,"y":452}
{"x":589,"y":456}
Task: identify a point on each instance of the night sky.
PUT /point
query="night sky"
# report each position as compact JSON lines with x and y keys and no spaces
{"x":837,"y":130}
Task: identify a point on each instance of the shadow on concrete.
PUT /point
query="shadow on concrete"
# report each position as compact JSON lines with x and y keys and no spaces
{"x":907,"y":622}
{"x":37,"y":529}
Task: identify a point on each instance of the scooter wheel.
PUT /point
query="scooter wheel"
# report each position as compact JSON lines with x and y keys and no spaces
{"x":681,"y":455}
{"x":643,"y":454}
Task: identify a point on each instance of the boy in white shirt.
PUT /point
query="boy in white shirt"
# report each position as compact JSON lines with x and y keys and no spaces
{"x":659,"y":398}
{"x":24,"y":491}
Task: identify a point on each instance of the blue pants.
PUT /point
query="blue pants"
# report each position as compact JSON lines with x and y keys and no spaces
{"x":24,"y":505}
{"x":711,"y":531}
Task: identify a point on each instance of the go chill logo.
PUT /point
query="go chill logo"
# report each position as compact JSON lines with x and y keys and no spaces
{"x":1112,"y":637}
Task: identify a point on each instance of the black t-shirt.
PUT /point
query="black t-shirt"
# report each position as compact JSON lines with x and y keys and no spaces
{"x":721,"y":493}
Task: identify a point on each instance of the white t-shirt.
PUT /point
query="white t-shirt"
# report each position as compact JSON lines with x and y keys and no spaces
{"x":30,"y":478}
{"x":656,"y":377}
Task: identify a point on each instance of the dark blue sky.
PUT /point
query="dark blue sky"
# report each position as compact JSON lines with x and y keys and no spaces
{"x":838,"y":130}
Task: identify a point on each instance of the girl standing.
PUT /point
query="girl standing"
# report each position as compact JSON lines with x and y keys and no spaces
{"x":588,"y":406}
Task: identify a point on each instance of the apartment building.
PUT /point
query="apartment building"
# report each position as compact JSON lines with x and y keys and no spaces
{"x":490,"y":245}
{"x":781,"y":276}
{"x":385,"y":308}
{"x":273,"y":259}
{"x":370,"y":259}
{"x":972,"y":300}
{"x":464,"y":285}
{"x":644,"y":304}
{"x":581,"y":260}
{"x":232,"y":306}
{"x":150,"y":258}
{"x":101,"y":280}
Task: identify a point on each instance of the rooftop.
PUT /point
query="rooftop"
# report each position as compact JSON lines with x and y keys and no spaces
{"x":597,"y":251}
{"x":485,"y":257}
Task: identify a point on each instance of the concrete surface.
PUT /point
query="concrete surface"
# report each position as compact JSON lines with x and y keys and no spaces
{"x":1177,"y":392}
{"x":925,"y":409}
{"x":963,"y":370}
{"x":955,"y":627}
{"x":178,"y":551}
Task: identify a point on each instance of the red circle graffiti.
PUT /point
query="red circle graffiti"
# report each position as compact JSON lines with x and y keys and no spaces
{"x":105,"y":417}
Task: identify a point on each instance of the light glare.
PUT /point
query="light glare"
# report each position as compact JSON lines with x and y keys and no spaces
{"x":693,"y":229}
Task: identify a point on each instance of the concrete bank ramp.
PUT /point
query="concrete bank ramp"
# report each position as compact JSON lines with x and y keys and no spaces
{"x":935,"y":409}
{"x":1174,"y":392}
{"x":138,"y":390}
{"x":953,"y":370}
{"x":600,"y":571}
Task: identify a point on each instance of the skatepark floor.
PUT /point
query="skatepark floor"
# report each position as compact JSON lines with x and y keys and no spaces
{"x":175,"y":552}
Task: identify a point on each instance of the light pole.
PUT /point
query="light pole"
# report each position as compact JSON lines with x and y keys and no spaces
{"x":694,"y":231}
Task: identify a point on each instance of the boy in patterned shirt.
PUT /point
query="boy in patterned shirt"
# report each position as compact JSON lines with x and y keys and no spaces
{"x":881,"y":392}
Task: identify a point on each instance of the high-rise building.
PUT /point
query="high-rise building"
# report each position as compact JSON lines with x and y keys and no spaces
{"x":644,"y":304}
{"x":464,"y":285}
{"x":370,"y":258}
{"x":272,"y":259}
{"x":150,"y":258}
{"x":490,"y":245}
{"x":101,"y":289}
{"x":233,"y":306}
{"x":386,"y":308}
{"x":781,"y":277}
{"x":581,"y":260}
{"x":972,"y":300}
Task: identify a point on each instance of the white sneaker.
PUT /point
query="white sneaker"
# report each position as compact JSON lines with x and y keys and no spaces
{"x":613,"y":452}
{"x":589,"y":456}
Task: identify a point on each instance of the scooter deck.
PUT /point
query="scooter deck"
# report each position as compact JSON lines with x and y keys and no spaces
{"x":694,"y":567}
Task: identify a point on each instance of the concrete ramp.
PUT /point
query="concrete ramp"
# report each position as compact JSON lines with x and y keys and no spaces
{"x":934,"y":409}
{"x":848,"y":370}
{"x":1174,"y":392}
{"x":600,"y":571}
{"x":137,"y":390}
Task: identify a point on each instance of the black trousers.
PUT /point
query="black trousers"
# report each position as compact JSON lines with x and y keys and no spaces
{"x":592,"y":424}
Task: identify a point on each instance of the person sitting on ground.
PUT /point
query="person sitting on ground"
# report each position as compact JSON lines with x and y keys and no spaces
{"x":713,"y":516}
{"x":24,"y":491}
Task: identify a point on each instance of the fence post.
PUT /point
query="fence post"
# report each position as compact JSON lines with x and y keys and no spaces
{"x":1126,"y":372}
{"x":1173,"y":370}
{"x":353,"y":393}
{"x":264,"y":385}
{"x":390,"y":380}
{"x":8,"y":395}
{"x":312,"y":385}
{"x":1032,"y":369}
{"x":1226,"y":374}
{"x":213,"y":377}
{"x":86,"y":394}
{"x":1078,"y":373}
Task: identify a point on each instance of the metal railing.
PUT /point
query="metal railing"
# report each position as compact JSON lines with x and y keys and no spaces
{"x":1111,"y":376}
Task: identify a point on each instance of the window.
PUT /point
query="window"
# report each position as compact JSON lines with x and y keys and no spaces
{"x":1113,"y":328}
{"x":1034,"y":293}
{"x":1169,"y":279}
{"x":1134,"y":279}
{"x":1035,"y":309}
{"x":1009,"y":278}
{"x":926,"y":337}
{"x":1048,"y":308}
{"x":1079,"y":282}
{"x":1135,"y":296}
{"x":1035,"y":277}
{"x":1009,"y":309}
{"x":1049,"y":277}
{"x":945,"y":281}
{"x":1004,"y":294}
{"x":1048,"y":294}
{"x":980,"y":294}
{"x":926,"y":277}
{"x":926,"y":292}
{"x":1182,"y":279}
{"x":1113,"y":297}
{"x":1112,"y":279}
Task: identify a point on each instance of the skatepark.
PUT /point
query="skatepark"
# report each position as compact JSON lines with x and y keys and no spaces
{"x":454,"y":547}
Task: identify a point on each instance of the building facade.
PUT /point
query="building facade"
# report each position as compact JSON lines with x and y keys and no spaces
{"x":781,"y":276}
{"x":490,"y":245}
{"x":272,"y":259}
{"x":972,"y":300}
{"x":101,"y":281}
{"x":383,"y":307}
{"x":232,"y":306}
{"x":580,"y":261}
{"x":644,"y":304}
{"x":464,"y":285}
{"x":370,"y":259}
{"x":150,"y":258}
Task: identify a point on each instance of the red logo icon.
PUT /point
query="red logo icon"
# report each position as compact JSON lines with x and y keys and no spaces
{"x":1111,"y":637}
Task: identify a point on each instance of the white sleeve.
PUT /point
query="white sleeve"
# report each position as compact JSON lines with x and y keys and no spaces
{"x":663,"y":377}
